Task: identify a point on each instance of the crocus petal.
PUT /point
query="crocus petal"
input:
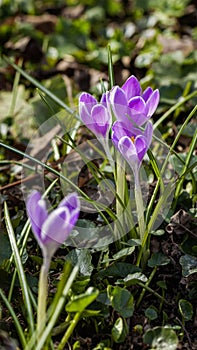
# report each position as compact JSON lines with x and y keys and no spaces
{"x":84,"y":114}
{"x":141,"y":147}
{"x":101,"y":120}
{"x":88,"y":100}
{"x":104,"y":99}
{"x":119,"y":130}
{"x":152,"y":102}
{"x":71,"y":202}
{"x":128,"y":150}
{"x":37,"y":212}
{"x":138,"y":110}
{"x":118,"y":102}
{"x":56,"y":227}
{"x":148,"y":133}
{"x":147,"y":93}
{"x":137,"y":105}
{"x":131,"y":87}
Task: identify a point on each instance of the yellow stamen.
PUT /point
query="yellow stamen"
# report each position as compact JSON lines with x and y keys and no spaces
{"x":133,"y":139}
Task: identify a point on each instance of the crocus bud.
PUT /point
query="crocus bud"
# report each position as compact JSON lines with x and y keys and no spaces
{"x":95,"y":115}
{"x":132,"y":143}
{"x":51,"y":230}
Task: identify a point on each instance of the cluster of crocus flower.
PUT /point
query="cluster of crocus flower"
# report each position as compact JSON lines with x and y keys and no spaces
{"x":132,"y":108}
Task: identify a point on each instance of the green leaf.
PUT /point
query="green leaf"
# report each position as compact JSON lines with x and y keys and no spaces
{"x":145,"y":59}
{"x":118,"y":269}
{"x":132,"y":279}
{"x":161,"y":338}
{"x":134,"y":242}
{"x":186,"y":309}
{"x":151,"y":313}
{"x":119,"y":330}
{"x":83,"y":258}
{"x":80,"y":285}
{"x":158,"y":259}
{"x":80,"y":302}
{"x":158,"y":233}
{"x":77,"y":345}
{"x":121,"y":300}
{"x":189,"y":265}
{"x":123,"y":252}
{"x":188,"y":246}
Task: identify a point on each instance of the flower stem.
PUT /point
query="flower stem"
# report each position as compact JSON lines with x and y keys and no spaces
{"x":139,"y":206}
{"x":69,"y":331}
{"x":120,"y":190}
{"x":105,"y":144}
{"x":144,"y":252}
{"x":42,"y":296}
{"x":146,"y":285}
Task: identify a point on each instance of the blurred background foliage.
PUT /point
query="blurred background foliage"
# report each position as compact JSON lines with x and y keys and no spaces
{"x":63,"y":44}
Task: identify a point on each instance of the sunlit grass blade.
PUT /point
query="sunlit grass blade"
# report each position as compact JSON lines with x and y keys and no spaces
{"x":98,"y":176}
{"x":54,"y":315}
{"x":187,"y":163}
{"x":174,"y":108}
{"x":41,"y":87}
{"x":190,"y":116}
{"x":110,"y":68}
{"x":159,"y":173}
{"x":50,"y":169}
{"x":20,"y":270}
{"x":15,"y":91}
{"x":98,"y":206}
{"x":159,"y":184}
{"x":15,"y":319}
{"x":161,"y":203}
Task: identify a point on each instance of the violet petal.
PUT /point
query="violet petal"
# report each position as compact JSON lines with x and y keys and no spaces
{"x":71,"y":201}
{"x":56,"y":227}
{"x":119,"y":103}
{"x":152,"y":102}
{"x":119,"y":130}
{"x":131,"y":87}
{"x":141,"y":146}
{"x":37,"y":212}
{"x":128,"y":150}
{"x":101,"y":120}
{"x":148,"y":133}
{"x":147,"y":93}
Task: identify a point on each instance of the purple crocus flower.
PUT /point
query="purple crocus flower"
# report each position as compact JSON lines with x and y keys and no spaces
{"x":95,"y":115}
{"x":129,"y":104}
{"x":51,"y":230}
{"x":132,"y":143}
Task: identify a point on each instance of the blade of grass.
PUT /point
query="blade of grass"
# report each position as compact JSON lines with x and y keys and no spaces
{"x":20,"y":270}
{"x":110,"y":68}
{"x":161,"y":202}
{"x":47,"y":331}
{"x":15,"y":319}
{"x":170,"y":151}
{"x":190,"y":116}
{"x":159,"y":184}
{"x":41,"y":87}
{"x":15,"y":91}
{"x":173,"y":108}
{"x":187,"y":162}
{"x":23,"y":238}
